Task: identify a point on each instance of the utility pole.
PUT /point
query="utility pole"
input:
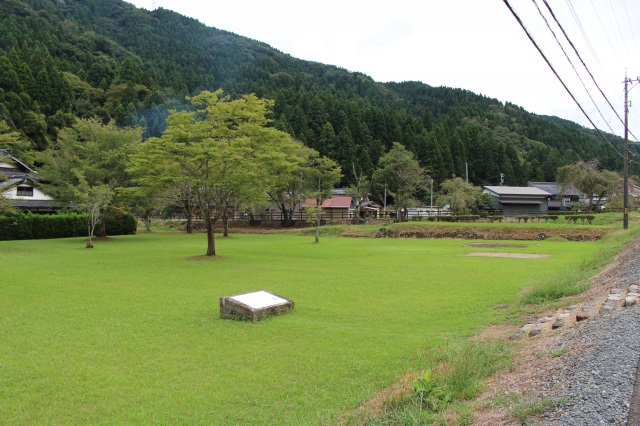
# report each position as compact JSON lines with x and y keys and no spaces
{"x":384,"y":209}
{"x":431,"y":192}
{"x":625,"y":219}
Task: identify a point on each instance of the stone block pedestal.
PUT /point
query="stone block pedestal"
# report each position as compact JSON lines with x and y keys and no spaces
{"x":253,"y":306}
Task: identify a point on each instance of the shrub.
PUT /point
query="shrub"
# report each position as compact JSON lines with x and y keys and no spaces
{"x":524,"y":218}
{"x":581,"y":217}
{"x":497,"y":218}
{"x":31,"y":226}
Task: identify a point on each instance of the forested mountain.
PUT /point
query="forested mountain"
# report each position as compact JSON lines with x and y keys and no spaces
{"x":105,"y":58}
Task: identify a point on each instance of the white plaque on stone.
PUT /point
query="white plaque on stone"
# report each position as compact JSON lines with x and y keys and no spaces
{"x":254,"y":305}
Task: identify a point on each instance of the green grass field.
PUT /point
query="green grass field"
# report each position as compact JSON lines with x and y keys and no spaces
{"x":130,"y":332}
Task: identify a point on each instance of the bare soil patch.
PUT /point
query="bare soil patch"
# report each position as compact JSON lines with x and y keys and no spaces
{"x":499,"y":332}
{"x":487,"y":245}
{"x":493,"y":233}
{"x":512,"y":255}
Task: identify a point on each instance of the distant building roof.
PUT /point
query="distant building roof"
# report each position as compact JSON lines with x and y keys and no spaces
{"x":518,"y":191}
{"x":331,"y":203}
{"x":31,"y":204}
{"x":337,"y":203}
{"x":6,"y":153}
{"x":553,"y":188}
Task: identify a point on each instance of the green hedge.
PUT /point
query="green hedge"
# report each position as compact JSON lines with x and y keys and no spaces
{"x":582,"y":217}
{"x":458,"y":218}
{"x":63,"y":225}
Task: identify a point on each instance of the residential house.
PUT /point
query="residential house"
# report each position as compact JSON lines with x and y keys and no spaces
{"x":560,"y":200}
{"x":338,"y":208}
{"x":19,"y":183}
{"x":518,"y":200}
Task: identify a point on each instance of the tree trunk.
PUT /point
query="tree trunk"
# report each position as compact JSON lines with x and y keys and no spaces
{"x":317,"y":230}
{"x":211,"y":242}
{"x":225,"y":226}
{"x":147,"y":221}
{"x":189,"y":224}
{"x":188,"y":211}
{"x":102,"y":228}
{"x":286,"y":216}
{"x":90,"y":232}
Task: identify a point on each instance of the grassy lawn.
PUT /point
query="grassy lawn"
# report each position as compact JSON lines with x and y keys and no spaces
{"x":130,"y":332}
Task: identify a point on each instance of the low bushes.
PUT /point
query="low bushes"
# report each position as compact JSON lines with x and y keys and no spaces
{"x":63,"y":225}
{"x":525,"y":218}
{"x":582,"y":217}
{"x":458,"y":218}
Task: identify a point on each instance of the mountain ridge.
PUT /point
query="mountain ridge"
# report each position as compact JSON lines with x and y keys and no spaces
{"x":111,"y":60}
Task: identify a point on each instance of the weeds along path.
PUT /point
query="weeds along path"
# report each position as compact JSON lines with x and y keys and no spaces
{"x":580,"y":374}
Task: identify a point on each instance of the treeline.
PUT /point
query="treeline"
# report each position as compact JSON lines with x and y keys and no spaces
{"x":108,"y":60}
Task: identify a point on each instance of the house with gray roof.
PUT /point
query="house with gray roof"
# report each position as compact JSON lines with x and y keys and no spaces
{"x":19,"y":184}
{"x":560,"y":200}
{"x":518,"y":200}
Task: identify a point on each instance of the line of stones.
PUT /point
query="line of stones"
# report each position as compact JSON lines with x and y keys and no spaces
{"x":617,"y":298}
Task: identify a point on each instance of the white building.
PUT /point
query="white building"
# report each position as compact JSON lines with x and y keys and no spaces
{"x":19,"y":183}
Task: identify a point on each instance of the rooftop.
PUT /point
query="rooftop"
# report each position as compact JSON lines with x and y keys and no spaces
{"x":518,"y":190}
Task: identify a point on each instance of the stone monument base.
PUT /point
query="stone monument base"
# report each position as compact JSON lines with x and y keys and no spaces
{"x":253,"y":306}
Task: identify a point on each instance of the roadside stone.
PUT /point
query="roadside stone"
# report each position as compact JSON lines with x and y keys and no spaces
{"x":581,"y":316}
{"x":535,"y":332}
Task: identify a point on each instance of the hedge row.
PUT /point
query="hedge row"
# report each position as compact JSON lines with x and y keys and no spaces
{"x":582,"y":217}
{"x":527,"y":218}
{"x":63,"y":225}
{"x":442,"y":218}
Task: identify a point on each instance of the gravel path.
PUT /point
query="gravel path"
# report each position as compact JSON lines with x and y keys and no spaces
{"x":595,"y":382}
{"x":587,"y":368}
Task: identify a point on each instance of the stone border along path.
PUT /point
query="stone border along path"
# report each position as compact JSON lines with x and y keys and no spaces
{"x":616,"y":299}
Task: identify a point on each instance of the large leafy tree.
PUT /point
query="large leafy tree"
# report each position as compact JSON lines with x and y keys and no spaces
{"x":87,"y":164}
{"x":403,"y":176}
{"x":300,"y":178}
{"x":462,"y":197}
{"x":223,"y":151}
{"x":595,"y":183}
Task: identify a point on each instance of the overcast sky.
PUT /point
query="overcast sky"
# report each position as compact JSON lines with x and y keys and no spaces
{"x":471,"y":44}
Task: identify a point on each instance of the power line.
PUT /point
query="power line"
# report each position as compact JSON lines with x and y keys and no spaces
{"x":615,"y":16}
{"x":569,"y":59}
{"x":585,"y":67}
{"x":633,"y":36}
{"x":506,"y":2}
{"x":583,"y":32}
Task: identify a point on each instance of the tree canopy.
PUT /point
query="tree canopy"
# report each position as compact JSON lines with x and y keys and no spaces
{"x":461,"y":196}
{"x":402,"y":175}
{"x":223,"y":150}
{"x":595,"y":183}
{"x":87,"y":164}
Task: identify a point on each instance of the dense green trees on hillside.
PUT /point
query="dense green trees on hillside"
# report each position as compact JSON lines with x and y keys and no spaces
{"x":107,"y":60}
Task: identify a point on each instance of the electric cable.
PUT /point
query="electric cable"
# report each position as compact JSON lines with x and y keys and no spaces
{"x":513,"y":12}
{"x":633,"y":36}
{"x":585,"y":67}
{"x":570,"y":61}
